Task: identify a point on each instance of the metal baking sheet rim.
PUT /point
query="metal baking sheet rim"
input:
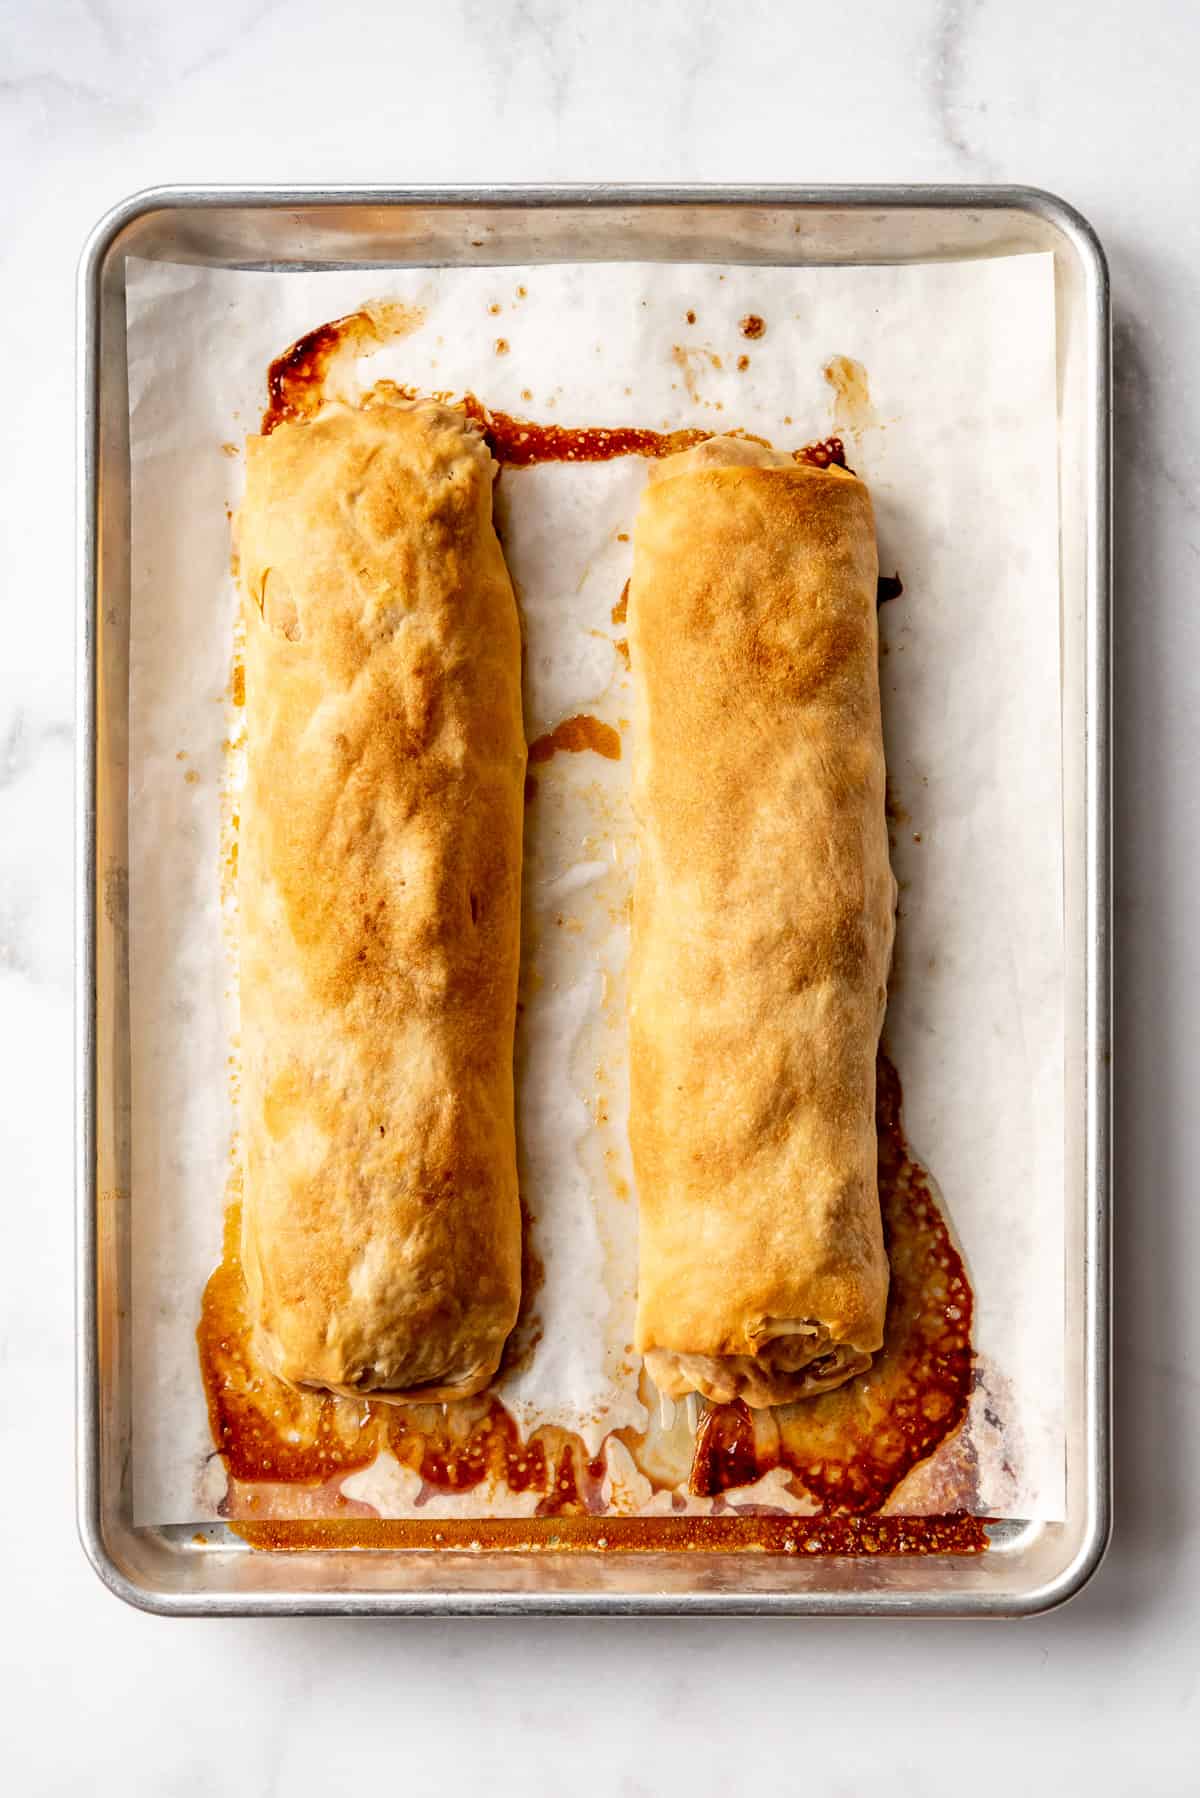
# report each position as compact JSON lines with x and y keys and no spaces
{"x":1029,"y":1569}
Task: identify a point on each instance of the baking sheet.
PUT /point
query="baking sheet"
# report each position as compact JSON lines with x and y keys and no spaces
{"x":946,"y":398}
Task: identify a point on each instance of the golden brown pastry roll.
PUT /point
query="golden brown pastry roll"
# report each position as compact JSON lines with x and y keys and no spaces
{"x":378,"y":887}
{"x":762,"y":925}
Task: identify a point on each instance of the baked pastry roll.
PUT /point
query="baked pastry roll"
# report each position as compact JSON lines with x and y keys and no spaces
{"x":762,"y":925}
{"x":378,"y":885}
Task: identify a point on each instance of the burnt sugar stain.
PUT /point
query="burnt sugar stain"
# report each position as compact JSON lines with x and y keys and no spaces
{"x":725,"y":1453}
{"x":296,"y":380}
{"x":522,"y":443}
{"x":296,"y":383}
{"x":954,"y":1533}
{"x":829,"y":453}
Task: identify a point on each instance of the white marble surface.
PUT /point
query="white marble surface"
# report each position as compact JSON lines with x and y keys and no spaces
{"x":1089,"y":97}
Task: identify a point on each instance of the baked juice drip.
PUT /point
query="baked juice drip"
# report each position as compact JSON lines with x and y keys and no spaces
{"x":270,"y":1432}
{"x":846,"y":1451}
{"x":955,"y":1533}
{"x":297,"y":382}
{"x":522,"y":443}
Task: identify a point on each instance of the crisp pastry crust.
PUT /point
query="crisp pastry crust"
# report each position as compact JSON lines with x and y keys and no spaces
{"x":762,"y":925}
{"x":378,"y":885}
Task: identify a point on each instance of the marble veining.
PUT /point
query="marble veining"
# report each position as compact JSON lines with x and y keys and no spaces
{"x":948,"y":102}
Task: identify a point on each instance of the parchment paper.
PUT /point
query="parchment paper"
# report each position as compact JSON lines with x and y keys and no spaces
{"x":947,"y":405}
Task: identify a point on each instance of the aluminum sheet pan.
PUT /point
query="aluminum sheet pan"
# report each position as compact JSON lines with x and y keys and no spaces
{"x":182,"y":1572}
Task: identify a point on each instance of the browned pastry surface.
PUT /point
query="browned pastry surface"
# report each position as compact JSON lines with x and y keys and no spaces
{"x":378,"y":888}
{"x":762,"y":925}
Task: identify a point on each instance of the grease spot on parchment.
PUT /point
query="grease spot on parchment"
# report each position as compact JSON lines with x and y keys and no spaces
{"x":692,"y":362}
{"x":853,"y":411}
